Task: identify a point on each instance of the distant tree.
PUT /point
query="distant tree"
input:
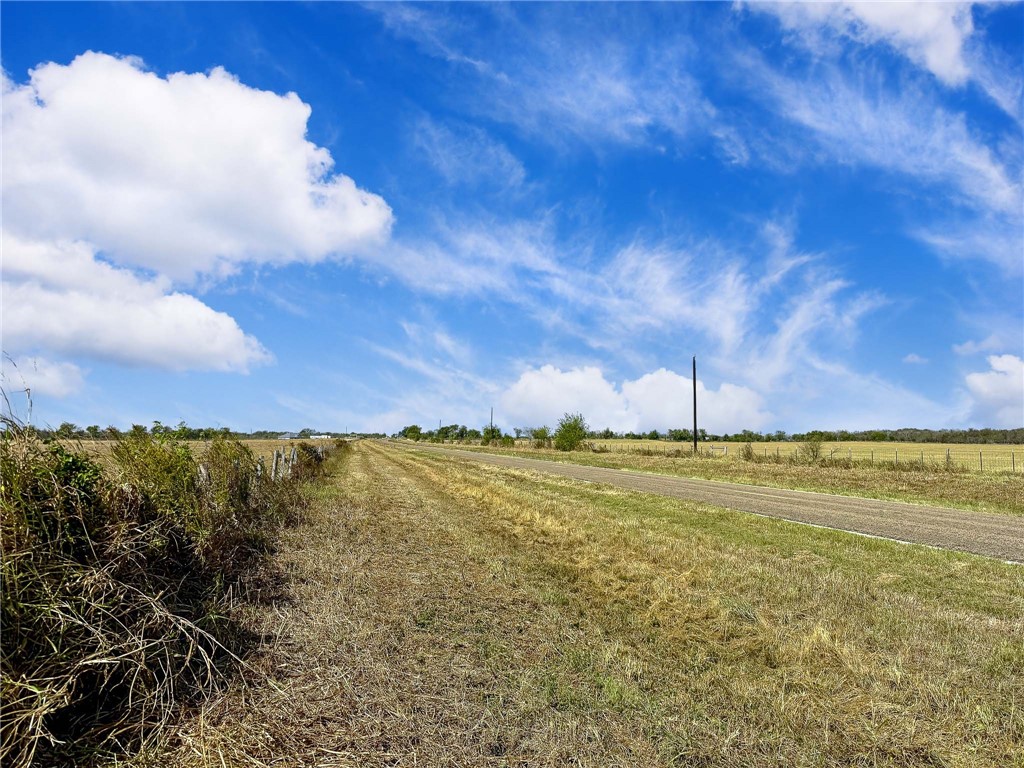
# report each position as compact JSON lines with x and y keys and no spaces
{"x":412,"y":432}
{"x":571,"y":432}
{"x":93,"y":431}
{"x":491,"y":434}
{"x":653,"y":435}
{"x":138,"y":430}
{"x":67,"y":430}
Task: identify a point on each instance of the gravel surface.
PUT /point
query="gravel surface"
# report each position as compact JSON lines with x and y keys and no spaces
{"x":980,"y":533}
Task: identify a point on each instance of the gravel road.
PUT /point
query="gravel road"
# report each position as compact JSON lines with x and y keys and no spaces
{"x":981,"y":533}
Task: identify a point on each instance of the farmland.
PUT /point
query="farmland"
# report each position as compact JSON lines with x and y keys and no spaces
{"x":930,"y":483}
{"x":445,"y":612}
{"x":982,"y":457}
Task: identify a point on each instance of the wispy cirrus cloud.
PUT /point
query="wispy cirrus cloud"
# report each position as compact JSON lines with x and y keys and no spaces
{"x":569,"y":84}
{"x":861,"y":121}
{"x":940,"y":38}
{"x":466,"y":155}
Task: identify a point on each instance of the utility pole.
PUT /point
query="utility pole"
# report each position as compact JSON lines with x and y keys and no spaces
{"x":694,"y":405}
{"x":492,"y":419}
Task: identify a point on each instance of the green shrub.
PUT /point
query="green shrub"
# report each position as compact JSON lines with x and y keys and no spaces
{"x":541,"y":437}
{"x":571,"y":432}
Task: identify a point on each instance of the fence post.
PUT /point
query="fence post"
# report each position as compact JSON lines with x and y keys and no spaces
{"x":274,"y":465}
{"x":947,"y":457}
{"x":897,"y":457}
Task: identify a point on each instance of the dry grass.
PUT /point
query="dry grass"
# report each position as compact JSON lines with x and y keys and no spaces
{"x":120,"y":582}
{"x":451,"y":613}
{"x":932,"y":484}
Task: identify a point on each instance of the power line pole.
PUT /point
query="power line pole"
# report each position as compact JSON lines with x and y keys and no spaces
{"x":694,"y":405}
{"x":492,"y":419}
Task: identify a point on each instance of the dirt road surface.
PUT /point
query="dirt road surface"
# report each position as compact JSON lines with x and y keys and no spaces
{"x":979,"y":533}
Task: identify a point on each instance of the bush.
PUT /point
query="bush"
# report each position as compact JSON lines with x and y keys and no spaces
{"x":747,"y":452}
{"x":541,"y":437}
{"x":810,"y":449}
{"x":571,"y":433}
{"x":117,"y":584}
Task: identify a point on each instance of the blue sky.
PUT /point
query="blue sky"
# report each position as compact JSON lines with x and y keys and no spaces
{"x":358,"y":217}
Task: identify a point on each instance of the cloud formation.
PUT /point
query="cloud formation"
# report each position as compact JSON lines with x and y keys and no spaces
{"x":998,"y":393}
{"x":184,"y":175}
{"x":120,"y":184}
{"x":659,"y":400}
{"x":59,"y":297}
{"x":39,"y":376}
{"x":932,"y":35}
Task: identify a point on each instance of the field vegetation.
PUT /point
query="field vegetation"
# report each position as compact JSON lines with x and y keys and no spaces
{"x":928,"y":482}
{"x":446,"y":612}
{"x":122,"y":582}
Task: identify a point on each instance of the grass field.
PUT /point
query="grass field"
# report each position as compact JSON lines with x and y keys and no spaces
{"x":930,"y":483}
{"x":986,"y":457}
{"x":450,"y":613}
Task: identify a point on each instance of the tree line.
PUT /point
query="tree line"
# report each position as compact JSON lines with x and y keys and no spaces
{"x":459,"y":432}
{"x":182,"y":431}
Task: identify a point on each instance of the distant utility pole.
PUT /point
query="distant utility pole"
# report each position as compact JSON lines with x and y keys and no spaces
{"x":492,"y":419}
{"x":694,"y":405}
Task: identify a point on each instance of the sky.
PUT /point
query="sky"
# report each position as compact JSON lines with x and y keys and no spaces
{"x":355,"y":217}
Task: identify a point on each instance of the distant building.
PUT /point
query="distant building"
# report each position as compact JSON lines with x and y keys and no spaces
{"x":287,"y":436}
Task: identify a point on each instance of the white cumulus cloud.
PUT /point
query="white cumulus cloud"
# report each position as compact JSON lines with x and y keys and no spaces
{"x":184,"y":175}
{"x":59,"y":297}
{"x":998,"y":393}
{"x":659,"y":400}
{"x":121,"y":186}
{"x":39,"y":376}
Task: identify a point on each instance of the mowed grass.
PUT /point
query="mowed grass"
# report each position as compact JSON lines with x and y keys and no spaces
{"x":990,"y":492}
{"x":449,"y":613}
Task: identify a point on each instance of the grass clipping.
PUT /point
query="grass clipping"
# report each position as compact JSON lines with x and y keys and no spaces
{"x":118,"y":583}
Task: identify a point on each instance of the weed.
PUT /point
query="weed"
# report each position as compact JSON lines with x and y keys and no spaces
{"x":118,"y":584}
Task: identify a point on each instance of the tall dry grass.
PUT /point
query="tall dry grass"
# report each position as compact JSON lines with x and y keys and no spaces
{"x":119,"y":584}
